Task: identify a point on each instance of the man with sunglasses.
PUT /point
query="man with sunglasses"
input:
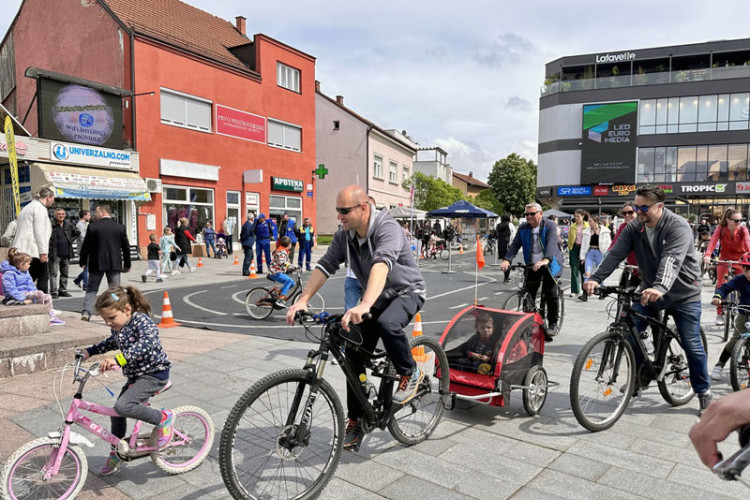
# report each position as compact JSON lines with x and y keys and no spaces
{"x":376,"y":250}
{"x":538,"y":238}
{"x":669,"y":270}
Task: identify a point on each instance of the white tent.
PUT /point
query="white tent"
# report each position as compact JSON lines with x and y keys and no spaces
{"x":406,"y":213}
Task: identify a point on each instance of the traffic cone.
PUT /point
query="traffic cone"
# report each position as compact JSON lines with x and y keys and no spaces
{"x":418,"y":352}
{"x":461,"y":248}
{"x":252,"y":271}
{"x":200,"y":262}
{"x":167,"y":320}
{"x":236,"y":261}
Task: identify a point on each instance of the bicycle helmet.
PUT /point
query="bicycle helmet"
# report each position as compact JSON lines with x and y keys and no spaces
{"x":745,"y":259}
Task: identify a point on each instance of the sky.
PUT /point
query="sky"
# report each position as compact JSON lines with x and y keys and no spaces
{"x":464,"y":76}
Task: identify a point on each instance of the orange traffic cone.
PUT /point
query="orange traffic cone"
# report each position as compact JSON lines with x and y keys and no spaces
{"x":167,"y":320}
{"x":460,"y":248}
{"x":418,"y":352}
{"x":200,"y":262}
{"x":236,"y":261}
{"x":252,"y":271}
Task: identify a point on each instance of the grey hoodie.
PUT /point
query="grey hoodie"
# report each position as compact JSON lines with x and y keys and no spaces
{"x":672,"y":268}
{"x":385,"y":242}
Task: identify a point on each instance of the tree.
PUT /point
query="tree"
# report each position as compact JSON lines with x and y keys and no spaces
{"x":513,"y":180}
{"x":431,"y":193}
{"x":486,"y":199}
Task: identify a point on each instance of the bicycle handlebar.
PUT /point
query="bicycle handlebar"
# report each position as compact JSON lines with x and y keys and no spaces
{"x":323,"y":318}
{"x":604,"y":291}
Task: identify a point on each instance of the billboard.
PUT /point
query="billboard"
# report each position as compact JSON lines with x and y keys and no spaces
{"x":240,"y":124}
{"x":74,"y":113}
{"x":608,"y":152}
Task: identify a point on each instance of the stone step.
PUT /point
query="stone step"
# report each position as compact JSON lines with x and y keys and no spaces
{"x":43,"y":351}
{"x":18,"y":321}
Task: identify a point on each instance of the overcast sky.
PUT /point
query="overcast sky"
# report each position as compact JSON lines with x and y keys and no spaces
{"x":464,"y":76}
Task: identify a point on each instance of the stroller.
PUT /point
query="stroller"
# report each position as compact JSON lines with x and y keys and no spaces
{"x":221,"y":248}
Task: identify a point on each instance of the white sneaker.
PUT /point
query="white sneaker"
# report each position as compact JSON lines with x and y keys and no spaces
{"x":175,"y":272}
{"x":648,"y":343}
{"x":716,"y":373}
{"x":192,"y":269}
{"x":719,"y":320}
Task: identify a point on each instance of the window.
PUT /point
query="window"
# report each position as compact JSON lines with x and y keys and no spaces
{"x":738,"y":111}
{"x":406,"y":173}
{"x":287,"y":77}
{"x":688,"y":114}
{"x":279,"y":204}
{"x":647,"y":114}
{"x":393,"y":173}
{"x":377,"y":167}
{"x":336,"y":125}
{"x":284,"y":135}
{"x":705,"y":113}
{"x":195,"y":204}
{"x":182,"y":110}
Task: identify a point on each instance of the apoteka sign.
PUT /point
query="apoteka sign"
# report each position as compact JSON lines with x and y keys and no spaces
{"x":282,"y":184}
{"x":608,"y":58}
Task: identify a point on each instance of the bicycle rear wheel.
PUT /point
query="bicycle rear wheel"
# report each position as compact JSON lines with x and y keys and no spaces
{"x":519,"y":301}
{"x":602,"y":381}
{"x":444,"y":254}
{"x":413,"y":422}
{"x":193,"y":438}
{"x":259,"y":303}
{"x":315,"y":305}
{"x":264,"y":452}
{"x":23,"y":476}
{"x":739,"y":365}
{"x":675,"y":387}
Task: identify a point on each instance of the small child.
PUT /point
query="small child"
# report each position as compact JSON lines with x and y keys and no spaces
{"x":166,"y":245}
{"x":478,"y":349}
{"x":741,"y":284}
{"x":279,"y":266}
{"x":143,"y":361}
{"x":18,"y":287}
{"x":154,"y":256}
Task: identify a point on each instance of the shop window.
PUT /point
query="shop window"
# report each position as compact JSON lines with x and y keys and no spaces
{"x":717,"y":162}
{"x":277,"y":205}
{"x":182,"y":110}
{"x":686,"y":164}
{"x":737,"y":162}
{"x":198,"y":210}
{"x":284,"y":135}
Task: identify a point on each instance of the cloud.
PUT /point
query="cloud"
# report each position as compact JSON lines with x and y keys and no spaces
{"x":506,"y":47}
{"x":517,"y":103}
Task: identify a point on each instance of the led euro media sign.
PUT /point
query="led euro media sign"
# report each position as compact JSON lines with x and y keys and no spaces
{"x":74,"y":113}
{"x":608,"y":152}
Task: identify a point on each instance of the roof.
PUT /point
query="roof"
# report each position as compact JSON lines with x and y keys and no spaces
{"x":176,"y":22}
{"x":472,"y":181}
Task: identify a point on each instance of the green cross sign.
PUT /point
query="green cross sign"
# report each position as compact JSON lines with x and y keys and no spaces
{"x":321,"y":171}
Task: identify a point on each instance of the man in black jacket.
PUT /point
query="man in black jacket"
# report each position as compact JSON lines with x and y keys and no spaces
{"x":104,"y":249}
{"x":61,"y":247}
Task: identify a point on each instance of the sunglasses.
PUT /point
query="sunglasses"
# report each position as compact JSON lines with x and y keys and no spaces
{"x":643,"y":208}
{"x":628,"y":212}
{"x":530,"y":214}
{"x":346,"y":210}
{"x":735,"y":220}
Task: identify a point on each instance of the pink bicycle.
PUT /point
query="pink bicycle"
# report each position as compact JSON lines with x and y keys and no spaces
{"x":55,"y":467}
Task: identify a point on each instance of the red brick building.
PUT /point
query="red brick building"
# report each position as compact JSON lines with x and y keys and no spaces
{"x":223,"y":123}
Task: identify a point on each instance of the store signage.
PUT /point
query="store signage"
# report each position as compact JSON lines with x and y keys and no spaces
{"x":21,"y":146}
{"x":89,"y":155}
{"x":601,"y":190}
{"x":667,"y":188}
{"x":623,"y":189}
{"x":608,"y":152}
{"x":704,"y":188}
{"x":544,"y":191}
{"x":574,"y":191}
{"x":607,"y":58}
{"x":76,"y":185}
{"x":240,"y":124}
{"x":743,"y":187}
{"x":281,"y":184}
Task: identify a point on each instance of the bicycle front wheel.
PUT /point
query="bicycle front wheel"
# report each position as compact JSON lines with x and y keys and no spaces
{"x":414,"y":421}
{"x":739,"y":365}
{"x":602,"y":381}
{"x":729,"y":315}
{"x":23,"y":477}
{"x":315,"y":305}
{"x":444,"y":254}
{"x":266,"y":452}
{"x":259,"y":303}
{"x":193,"y":437}
{"x":519,"y":301}
{"x":675,"y":387}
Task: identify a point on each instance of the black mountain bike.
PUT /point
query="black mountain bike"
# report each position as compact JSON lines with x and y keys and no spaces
{"x":729,"y":312}
{"x":260,"y":301}
{"x":605,"y":375}
{"x":284,"y":437}
{"x":523,"y":301}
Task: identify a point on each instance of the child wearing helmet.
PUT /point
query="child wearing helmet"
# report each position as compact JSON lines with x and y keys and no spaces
{"x":740,"y":284}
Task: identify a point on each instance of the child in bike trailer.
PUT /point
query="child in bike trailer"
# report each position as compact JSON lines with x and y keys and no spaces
{"x":740,"y":284}
{"x":477,"y":351}
{"x":142,"y":359}
{"x":278,"y":267}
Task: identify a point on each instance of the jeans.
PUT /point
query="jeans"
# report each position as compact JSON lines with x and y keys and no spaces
{"x":305,"y":252}
{"x":61,"y":264}
{"x":593,"y":259}
{"x":228,"y":239}
{"x":550,"y":291}
{"x":182,"y":257}
{"x":352,"y":293}
{"x":247,"y":260}
{"x":95,"y":279}
{"x":687,"y":318}
{"x":210,"y":243}
{"x":261,"y":247}
{"x":285,"y":280}
{"x":83,"y":277}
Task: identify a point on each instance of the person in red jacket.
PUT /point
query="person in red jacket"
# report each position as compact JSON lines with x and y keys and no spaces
{"x":734,"y":240}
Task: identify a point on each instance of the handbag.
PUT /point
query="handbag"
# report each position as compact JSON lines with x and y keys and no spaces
{"x":172,"y":256}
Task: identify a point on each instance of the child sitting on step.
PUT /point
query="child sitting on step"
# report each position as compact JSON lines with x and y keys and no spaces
{"x":18,"y":287}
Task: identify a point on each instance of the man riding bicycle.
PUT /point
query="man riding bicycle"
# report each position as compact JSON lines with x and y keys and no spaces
{"x":378,"y":253}
{"x":663,"y":245}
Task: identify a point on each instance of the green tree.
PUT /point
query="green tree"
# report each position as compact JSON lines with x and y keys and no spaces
{"x":513,"y":180}
{"x":486,"y":199}
{"x":431,"y":193}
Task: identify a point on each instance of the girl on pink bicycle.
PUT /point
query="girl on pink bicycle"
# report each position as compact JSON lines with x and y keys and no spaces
{"x":142,"y":360}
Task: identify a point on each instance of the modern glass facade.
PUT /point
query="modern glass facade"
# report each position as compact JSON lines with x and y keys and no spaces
{"x":707,"y":163}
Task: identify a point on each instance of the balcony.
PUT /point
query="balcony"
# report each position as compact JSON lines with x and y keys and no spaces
{"x":667,"y":77}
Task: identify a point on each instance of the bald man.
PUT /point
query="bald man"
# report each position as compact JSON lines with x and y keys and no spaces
{"x":380,"y":256}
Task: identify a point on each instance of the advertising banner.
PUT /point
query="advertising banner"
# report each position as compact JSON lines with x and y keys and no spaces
{"x":608,"y":153}
{"x":282,"y":184}
{"x":89,"y":155}
{"x":240,"y":124}
{"x":10,"y":142}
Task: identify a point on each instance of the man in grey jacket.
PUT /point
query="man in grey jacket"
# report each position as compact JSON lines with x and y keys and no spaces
{"x":379,"y":255}
{"x":663,"y":245}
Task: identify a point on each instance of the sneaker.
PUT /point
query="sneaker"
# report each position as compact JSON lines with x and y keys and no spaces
{"x":719,"y":320}
{"x":112,"y":464}
{"x":716,"y":373}
{"x":77,"y":283}
{"x":354,"y":435}
{"x":408,"y":386}
{"x":583,"y":297}
{"x":143,"y":278}
{"x":506,"y":281}
{"x":704,"y":399}
{"x":165,"y":430}
{"x":85,"y":317}
{"x":192,"y":269}
{"x":553,"y":329}
{"x":159,"y":280}
{"x":64,"y":294}
{"x":280,"y":303}
{"x":53,"y":295}
{"x":574,"y":295}
{"x":55,"y":321}
{"x":175,"y":272}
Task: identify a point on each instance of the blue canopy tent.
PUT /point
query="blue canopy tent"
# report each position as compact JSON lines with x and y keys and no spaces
{"x":461,"y":209}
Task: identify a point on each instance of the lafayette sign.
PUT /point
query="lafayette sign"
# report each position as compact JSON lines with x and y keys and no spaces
{"x":608,"y":58}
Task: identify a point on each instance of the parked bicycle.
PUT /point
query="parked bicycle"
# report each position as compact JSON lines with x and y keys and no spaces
{"x":56,"y":467}
{"x":261,"y":301}
{"x":283,"y":438}
{"x":439,"y":249}
{"x":604,"y":374}
{"x":489,"y":242}
{"x":523,"y":301}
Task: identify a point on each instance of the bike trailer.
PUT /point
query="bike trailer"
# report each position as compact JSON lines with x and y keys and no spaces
{"x":517,"y":350}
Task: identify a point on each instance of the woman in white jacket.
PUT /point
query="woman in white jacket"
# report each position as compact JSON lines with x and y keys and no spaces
{"x":594,"y":244}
